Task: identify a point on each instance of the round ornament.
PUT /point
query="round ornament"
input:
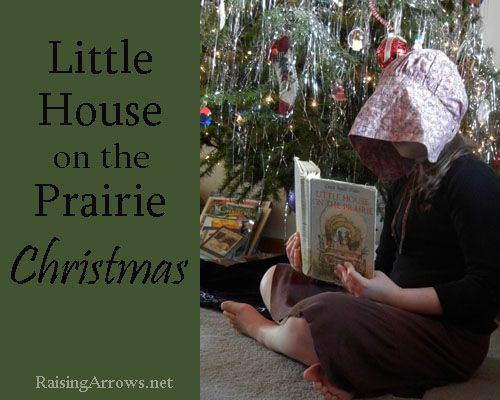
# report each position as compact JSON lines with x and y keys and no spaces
{"x":483,"y":112}
{"x":356,"y":39}
{"x":205,"y":118}
{"x":391,"y":48}
{"x":338,"y":92}
{"x":475,"y":3}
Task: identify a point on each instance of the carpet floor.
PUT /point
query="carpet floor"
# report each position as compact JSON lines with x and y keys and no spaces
{"x":235,"y":367}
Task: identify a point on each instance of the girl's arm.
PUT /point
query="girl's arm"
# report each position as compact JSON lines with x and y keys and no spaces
{"x":383,"y":290}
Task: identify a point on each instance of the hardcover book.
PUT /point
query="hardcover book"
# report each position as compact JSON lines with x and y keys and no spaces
{"x":336,"y":222}
{"x":244,"y":217}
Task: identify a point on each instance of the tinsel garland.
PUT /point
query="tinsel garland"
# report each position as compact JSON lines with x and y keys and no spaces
{"x":256,"y":145}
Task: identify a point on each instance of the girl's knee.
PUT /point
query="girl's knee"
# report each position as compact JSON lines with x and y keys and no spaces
{"x":267,"y":279}
{"x":265,"y":286}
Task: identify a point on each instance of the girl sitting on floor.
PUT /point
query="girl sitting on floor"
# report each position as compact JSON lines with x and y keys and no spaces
{"x":425,"y":318}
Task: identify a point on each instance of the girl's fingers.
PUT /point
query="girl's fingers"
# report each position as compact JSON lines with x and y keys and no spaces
{"x":292,"y":238}
{"x":355,"y":275}
{"x":293,"y":251}
{"x":298,"y":258}
{"x":348,"y":278}
{"x":341,"y":272}
{"x":290,"y":249}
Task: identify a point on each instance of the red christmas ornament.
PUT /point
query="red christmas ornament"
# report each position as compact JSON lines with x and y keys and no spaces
{"x":475,"y":3}
{"x":391,"y":48}
{"x":279,"y":46}
{"x":338,"y":92}
{"x":205,"y":110}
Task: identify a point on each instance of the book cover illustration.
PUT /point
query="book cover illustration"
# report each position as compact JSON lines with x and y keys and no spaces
{"x":221,"y":242}
{"x":336,"y":222}
{"x":342,"y":228}
{"x":244,"y":217}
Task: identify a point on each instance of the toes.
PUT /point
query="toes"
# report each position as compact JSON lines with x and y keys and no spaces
{"x":228,"y":305}
{"x":313,"y":373}
{"x":330,"y":396}
{"x":320,"y":382}
{"x":231,"y":319}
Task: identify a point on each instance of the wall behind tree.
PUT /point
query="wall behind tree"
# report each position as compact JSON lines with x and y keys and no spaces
{"x":490,"y":12}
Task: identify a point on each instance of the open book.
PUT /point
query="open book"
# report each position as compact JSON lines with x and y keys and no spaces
{"x":336,"y":222}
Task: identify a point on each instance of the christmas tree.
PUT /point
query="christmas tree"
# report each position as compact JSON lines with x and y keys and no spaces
{"x":284,"y":78}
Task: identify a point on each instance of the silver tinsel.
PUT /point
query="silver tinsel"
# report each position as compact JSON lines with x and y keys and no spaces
{"x":236,"y":37}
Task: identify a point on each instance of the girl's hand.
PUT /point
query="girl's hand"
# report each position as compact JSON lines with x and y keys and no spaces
{"x":380,"y":288}
{"x":293,"y":252}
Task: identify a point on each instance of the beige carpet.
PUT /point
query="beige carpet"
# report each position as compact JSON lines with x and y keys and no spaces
{"x":234,"y":367}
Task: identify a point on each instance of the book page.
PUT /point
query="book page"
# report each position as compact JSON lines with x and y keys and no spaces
{"x":304,"y":171}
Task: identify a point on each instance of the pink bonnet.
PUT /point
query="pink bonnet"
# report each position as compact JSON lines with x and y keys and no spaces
{"x":420,"y":98}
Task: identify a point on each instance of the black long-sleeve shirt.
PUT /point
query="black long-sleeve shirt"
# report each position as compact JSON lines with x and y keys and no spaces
{"x":454,"y":247}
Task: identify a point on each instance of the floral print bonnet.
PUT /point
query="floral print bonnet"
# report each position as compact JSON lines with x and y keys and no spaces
{"x":420,"y":98}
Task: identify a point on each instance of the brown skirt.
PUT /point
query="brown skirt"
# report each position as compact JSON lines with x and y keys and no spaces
{"x":372,"y":348}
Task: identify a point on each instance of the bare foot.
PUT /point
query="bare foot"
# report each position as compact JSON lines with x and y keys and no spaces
{"x":245,"y":319}
{"x":320,"y":382}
